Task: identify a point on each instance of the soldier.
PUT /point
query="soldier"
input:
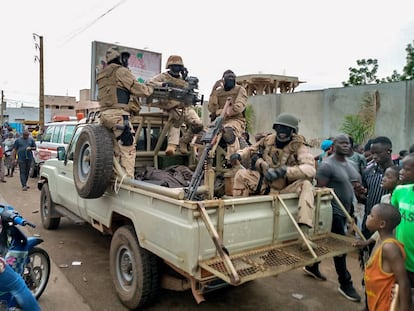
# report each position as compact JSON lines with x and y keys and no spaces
{"x":180,"y":114}
{"x":283,"y":163}
{"x":116,"y":83}
{"x":234,"y":124}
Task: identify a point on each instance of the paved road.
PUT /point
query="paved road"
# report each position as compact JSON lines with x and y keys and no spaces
{"x":89,"y":286}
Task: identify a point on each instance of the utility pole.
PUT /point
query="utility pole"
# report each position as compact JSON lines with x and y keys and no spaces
{"x":39,"y":58}
{"x":2,"y":109}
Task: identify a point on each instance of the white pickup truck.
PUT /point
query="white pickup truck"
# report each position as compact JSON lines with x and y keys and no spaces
{"x":161,"y":239}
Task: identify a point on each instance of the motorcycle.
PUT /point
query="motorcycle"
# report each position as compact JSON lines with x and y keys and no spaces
{"x":30,"y":263}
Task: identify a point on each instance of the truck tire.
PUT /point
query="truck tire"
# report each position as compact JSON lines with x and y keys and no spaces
{"x":134,"y":270}
{"x":93,"y":160}
{"x":46,"y":209}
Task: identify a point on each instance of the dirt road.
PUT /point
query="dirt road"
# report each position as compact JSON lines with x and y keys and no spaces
{"x":71,"y":243}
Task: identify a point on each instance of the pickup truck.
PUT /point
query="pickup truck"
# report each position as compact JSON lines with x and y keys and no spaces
{"x":160,"y":239}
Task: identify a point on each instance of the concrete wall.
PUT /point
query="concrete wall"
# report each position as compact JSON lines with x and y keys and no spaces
{"x":322,"y":112}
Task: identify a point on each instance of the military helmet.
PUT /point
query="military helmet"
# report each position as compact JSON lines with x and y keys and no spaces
{"x":287,"y":119}
{"x":112,"y":53}
{"x":174,"y":60}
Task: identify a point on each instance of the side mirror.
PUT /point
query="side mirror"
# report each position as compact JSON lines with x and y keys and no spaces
{"x":61,"y":152}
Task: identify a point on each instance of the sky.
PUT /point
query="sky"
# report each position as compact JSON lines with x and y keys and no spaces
{"x":316,"y":41}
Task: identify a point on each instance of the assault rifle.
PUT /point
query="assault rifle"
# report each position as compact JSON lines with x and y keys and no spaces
{"x":209,"y":139}
{"x":169,"y":91}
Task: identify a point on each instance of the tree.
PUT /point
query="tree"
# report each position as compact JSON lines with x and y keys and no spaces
{"x":365,"y":73}
{"x":367,"y":69}
{"x":408,"y":70}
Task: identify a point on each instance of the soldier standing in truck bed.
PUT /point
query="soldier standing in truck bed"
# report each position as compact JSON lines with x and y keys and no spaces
{"x":116,"y":83}
{"x":234,"y":123}
{"x":176,"y":75}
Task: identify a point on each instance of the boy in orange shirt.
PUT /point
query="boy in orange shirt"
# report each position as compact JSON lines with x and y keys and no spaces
{"x":386,"y":266}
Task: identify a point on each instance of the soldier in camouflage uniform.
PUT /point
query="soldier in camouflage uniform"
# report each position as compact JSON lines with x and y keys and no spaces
{"x":234,"y":124}
{"x":179,"y":113}
{"x":116,"y":84}
{"x":280,"y":163}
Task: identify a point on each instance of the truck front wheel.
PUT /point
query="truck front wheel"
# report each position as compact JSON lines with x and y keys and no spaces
{"x":47,"y":209}
{"x":134,"y":270}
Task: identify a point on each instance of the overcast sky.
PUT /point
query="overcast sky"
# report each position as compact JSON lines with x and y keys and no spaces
{"x":316,"y":41}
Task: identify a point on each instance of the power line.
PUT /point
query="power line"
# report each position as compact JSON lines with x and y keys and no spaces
{"x":80,"y":30}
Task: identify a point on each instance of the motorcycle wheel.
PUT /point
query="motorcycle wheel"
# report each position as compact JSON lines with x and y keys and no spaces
{"x":37,"y":271}
{"x":134,"y":270}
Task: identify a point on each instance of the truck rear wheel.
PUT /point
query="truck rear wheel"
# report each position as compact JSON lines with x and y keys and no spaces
{"x":93,"y":160}
{"x":134,"y":270}
{"x":46,"y":209}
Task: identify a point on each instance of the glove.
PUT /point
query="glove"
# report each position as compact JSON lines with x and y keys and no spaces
{"x":126,"y":138}
{"x":213,"y":116}
{"x":273,"y":174}
{"x":184,"y":73}
{"x":235,"y":156}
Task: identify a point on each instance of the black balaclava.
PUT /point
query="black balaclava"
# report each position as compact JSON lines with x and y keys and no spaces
{"x":124,"y":59}
{"x":229,"y":79}
{"x":283,"y":135}
{"x":175,"y":70}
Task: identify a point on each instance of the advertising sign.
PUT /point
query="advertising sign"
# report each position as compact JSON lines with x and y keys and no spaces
{"x":143,"y":64}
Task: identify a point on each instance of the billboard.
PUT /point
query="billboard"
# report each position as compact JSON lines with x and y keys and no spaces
{"x":143,"y":64}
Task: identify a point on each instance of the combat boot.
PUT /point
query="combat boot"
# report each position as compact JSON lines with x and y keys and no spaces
{"x":305,"y":230}
{"x":170,"y":149}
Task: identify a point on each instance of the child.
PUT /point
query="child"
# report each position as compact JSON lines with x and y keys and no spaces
{"x":386,"y":267}
{"x":403,"y":199}
{"x":390,"y":181}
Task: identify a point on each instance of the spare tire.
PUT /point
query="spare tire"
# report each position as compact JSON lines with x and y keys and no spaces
{"x":93,"y":160}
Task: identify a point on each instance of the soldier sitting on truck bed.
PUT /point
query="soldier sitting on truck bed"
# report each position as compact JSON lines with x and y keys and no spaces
{"x":234,"y":124}
{"x":280,"y":163}
{"x":175,"y":76}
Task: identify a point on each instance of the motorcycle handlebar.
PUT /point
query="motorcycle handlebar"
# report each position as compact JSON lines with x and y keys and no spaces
{"x":9,"y":214}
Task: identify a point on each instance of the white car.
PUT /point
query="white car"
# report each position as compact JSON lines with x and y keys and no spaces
{"x":56,"y":134}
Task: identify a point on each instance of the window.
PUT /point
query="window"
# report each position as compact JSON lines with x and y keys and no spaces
{"x":68,"y":133}
{"x":57,"y":135}
{"x":48,"y":134}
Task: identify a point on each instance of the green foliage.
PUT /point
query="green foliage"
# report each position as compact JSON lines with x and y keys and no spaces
{"x":249,"y":115}
{"x":408,"y":70}
{"x":361,"y":126}
{"x":366,"y":71}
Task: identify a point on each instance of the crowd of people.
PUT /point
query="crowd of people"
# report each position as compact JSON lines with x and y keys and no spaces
{"x":16,"y":151}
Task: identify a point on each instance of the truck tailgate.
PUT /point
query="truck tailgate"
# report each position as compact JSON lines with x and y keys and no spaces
{"x":277,"y":258}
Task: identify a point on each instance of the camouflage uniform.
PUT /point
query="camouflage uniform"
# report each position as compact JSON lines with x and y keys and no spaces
{"x":299,"y":175}
{"x":178,"y":112}
{"x":116,"y":83}
{"x":235,"y":120}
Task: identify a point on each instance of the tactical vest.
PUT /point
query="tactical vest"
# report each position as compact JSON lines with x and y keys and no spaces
{"x":222,"y":96}
{"x":276,"y":157}
{"x":109,"y":94}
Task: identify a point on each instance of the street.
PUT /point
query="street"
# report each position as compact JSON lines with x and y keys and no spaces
{"x":81,"y":255}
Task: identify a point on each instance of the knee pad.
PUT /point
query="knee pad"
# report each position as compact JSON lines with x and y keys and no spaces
{"x":228,"y":135}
